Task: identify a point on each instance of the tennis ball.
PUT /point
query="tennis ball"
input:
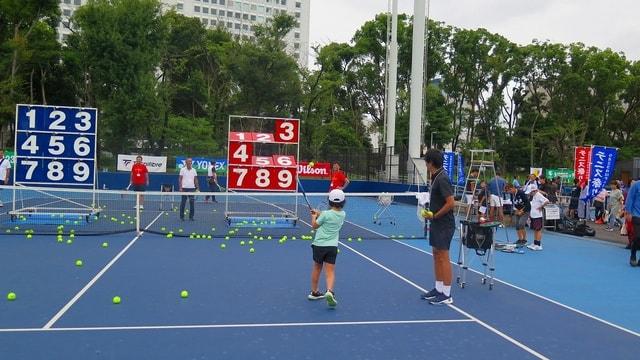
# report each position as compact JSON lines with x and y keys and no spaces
{"x":269,"y":237}
{"x":250,"y":242}
{"x":11,"y":296}
{"x":260,"y":238}
{"x":29,"y":236}
{"x":184,"y":294}
{"x":105,"y":244}
{"x":255,"y":237}
{"x":163,"y":228}
{"x":349,"y":239}
{"x":72,"y":235}
{"x":116,"y":300}
{"x":259,"y":229}
{"x":311,"y":164}
{"x":222,"y":246}
{"x":359,"y":239}
{"x":60,"y":240}
{"x":78,"y":262}
{"x":249,"y":234}
{"x":241,"y":243}
{"x":293,"y":238}
{"x":281,"y":241}
{"x":252,"y":250}
{"x":226,"y":238}
{"x":69,"y":241}
{"x":338,"y":251}
{"x":209,"y":237}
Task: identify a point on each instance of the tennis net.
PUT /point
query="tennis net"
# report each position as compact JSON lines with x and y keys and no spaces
{"x":253,"y":216}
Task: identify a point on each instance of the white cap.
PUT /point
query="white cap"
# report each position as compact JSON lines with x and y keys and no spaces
{"x":336,"y":195}
{"x":530,"y":188}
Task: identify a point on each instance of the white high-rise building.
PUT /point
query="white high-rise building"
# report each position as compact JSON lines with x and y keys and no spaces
{"x":237,"y":17}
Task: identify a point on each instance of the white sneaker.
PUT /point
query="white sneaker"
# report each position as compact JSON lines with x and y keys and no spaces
{"x":141,"y":207}
{"x":534,"y":247}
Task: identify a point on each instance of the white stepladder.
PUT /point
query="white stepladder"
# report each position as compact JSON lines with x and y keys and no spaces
{"x":477,"y":234}
{"x":384,"y":213}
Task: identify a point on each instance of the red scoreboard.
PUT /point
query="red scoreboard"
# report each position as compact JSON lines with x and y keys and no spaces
{"x":264,"y":161}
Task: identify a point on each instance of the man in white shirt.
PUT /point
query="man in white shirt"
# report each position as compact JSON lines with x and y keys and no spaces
{"x":538,"y":202}
{"x":5,"y":171}
{"x":188,"y":182}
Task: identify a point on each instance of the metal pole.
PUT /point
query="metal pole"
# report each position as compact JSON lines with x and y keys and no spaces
{"x":393,"y":80}
{"x":417,"y":77}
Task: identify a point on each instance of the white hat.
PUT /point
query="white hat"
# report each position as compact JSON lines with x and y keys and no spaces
{"x":530,"y":188}
{"x":336,"y":195}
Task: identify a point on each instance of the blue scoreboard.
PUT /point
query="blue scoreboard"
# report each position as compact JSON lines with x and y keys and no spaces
{"x":55,"y":146}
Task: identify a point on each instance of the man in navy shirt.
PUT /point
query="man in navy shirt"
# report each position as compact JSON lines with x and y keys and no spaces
{"x":632,"y":209}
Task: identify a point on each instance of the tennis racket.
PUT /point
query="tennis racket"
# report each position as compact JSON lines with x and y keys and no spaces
{"x":304,"y":195}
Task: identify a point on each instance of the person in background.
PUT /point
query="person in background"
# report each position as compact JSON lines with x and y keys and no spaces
{"x":598,"y":204}
{"x":5,"y":171}
{"x":497,"y":184}
{"x":212,"y":179}
{"x":515,"y":182}
{"x":614,"y":206}
{"x":538,"y":202}
{"x":548,"y":189}
{"x":139,"y":179}
{"x":522,"y":207}
{"x":338,"y":178}
{"x":575,"y":199}
{"x":188,"y":182}
{"x":531,"y":184}
{"x":632,"y":211}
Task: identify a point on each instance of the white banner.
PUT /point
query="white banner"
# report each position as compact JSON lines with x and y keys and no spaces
{"x":552,"y":212}
{"x":156,"y":164}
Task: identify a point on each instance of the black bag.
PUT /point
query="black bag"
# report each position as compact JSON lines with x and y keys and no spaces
{"x":478,"y":237}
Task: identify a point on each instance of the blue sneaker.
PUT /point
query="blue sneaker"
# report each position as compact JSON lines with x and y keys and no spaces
{"x":441,"y":299}
{"x":430,"y":295}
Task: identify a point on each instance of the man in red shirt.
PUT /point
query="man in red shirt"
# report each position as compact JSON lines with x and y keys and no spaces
{"x":139,"y":178}
{"x":338,"y":178}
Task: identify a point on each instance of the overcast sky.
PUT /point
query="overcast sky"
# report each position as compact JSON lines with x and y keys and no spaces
{"x":603,"y":23}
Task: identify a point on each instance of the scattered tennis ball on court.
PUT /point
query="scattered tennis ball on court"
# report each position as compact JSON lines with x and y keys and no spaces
{"x":169,"y":235}
{"x":269,"y":237}
{"x":184,"y":294}
{"x":260,"y":238}
{"x":60,"y":240}
{"x":17,"y":227}
{"x":293,"y":238}
{"x":163,"y":228}
{"x":11,"y":296}
{"x":222,"y":246}
{"x":259,"y":229}
{"x":209,"y":237}
{"x":29,"y":236}
{"x":281,"y":241}
{"x":252,"y":250}
{"x":8,"y":231}
{"x":250,"y":242}
{"x":105,"y":244}
{"x":349,"y":239}
{"x":72,"y":235}
{"x":79,"y":263}
{"x":180,"y":230}
{"x":226,"y":238}
{"x":242,"y":243}
{"x":338,"y":251}
{"x":393,"y":236}
{"x":69,"y":241}
{"x":249,"y":234}
{"x":359,"y":239}
{"x":116,"y":300}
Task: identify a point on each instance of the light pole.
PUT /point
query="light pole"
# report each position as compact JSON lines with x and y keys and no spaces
{"x":431,"y":142}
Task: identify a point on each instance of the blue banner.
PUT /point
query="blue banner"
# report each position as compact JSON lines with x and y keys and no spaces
{"x":603,"y":162}
{"x":461,"y":175}
{"x":447,"y":164}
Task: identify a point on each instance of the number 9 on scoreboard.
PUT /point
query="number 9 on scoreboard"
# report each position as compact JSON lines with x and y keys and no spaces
{"x":254,"y":178}
{"x":54,"y":171}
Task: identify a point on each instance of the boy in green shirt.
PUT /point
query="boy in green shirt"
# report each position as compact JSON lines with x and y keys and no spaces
{"x":325,"y":245}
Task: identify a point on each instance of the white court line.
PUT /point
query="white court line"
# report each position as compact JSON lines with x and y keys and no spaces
{"x":66,"y":307}
{"x":232,"y":326}
{"x":455,"y":308}
{"x":538,"y":296}
{"x":512,"y":285}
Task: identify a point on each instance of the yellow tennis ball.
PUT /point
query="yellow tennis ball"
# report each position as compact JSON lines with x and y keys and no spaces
{"x":311,"y":164}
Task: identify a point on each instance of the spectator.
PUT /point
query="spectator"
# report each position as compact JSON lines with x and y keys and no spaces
{"x":531,"y":184}
{"x":497,"y":184}
{"x":522,"y":207}
{"x":614,"y":206}
{"x":538,"y":203}
{"x":139,"y":179}
{"x":549,"y":189}
{"x":188,"y":182}
{"x":632,"y":211}
{"x":575,"y":199}
{"x":212,"y":179}
{"x":598,"y":204}
{"x":515,"y":182}
{"x":5,"y":171}
{"x":338,"y":178}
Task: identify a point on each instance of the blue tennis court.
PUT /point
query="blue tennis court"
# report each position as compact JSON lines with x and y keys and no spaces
{"x":573,"y":300}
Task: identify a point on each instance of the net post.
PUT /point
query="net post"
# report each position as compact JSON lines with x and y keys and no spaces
{"x":138,"y":212}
